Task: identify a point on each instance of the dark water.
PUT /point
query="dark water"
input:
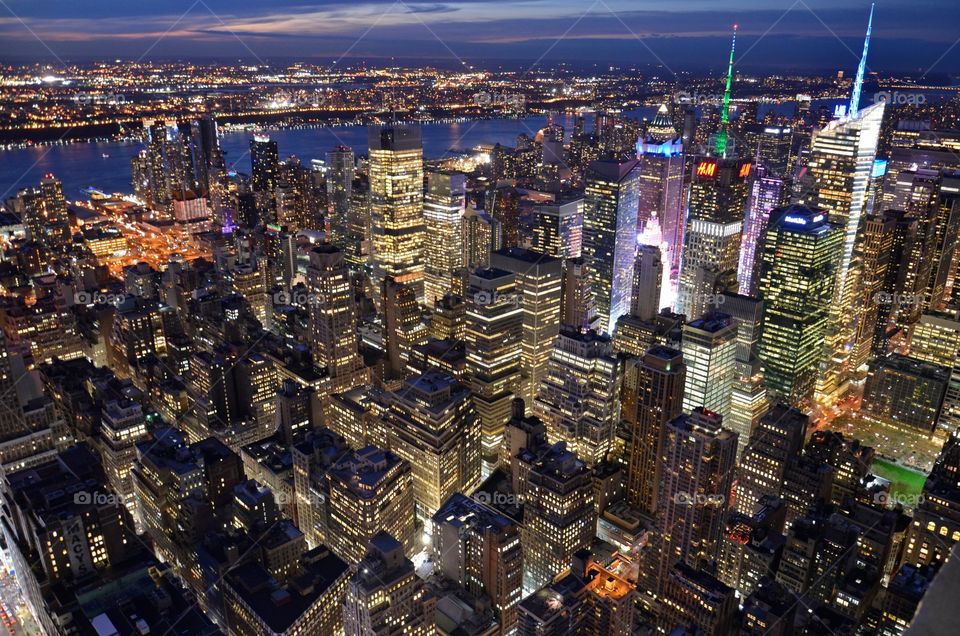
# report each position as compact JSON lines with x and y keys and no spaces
{"x":82,"y":165}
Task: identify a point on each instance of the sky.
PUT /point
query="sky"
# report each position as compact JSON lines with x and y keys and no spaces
{"x":917,"y":36}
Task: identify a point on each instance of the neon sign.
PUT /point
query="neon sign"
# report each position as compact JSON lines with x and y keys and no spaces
{"x":745,"y":170}
{"x":707,"y":169}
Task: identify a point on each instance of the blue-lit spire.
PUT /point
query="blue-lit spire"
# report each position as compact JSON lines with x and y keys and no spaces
{"x":858,"y":82}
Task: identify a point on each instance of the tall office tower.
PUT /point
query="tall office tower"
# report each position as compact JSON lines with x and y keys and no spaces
{"x":333,"y":319}
{"x":341,"y":166}
{"x":698,"y":457}
{"x":936,"y":339}
{"x":154,"y":164}
{"x":479,"y":549}
{"x":935,"y":529}
{"x":396,"y":205}
{"x":876,"y":249}
{"x":711,"y":241}
{"x":443,"y":208}
{"x":403,"y":328}
{"x":661,"y":168}
{"x":773,"y":444}
{"x":251,"y":283}
{"x":49,"y":223}
{"x":434,"y":426}
{"x":801,"y":254}
{"x":849,"y":459}
{"x":611,"y":201}
{"x":578,"y":395}
{"x":839,"y":172}
{"x":371,"y":490}
{"x":122,"y":427}
{"x":358,"y":243}
{"x":558,"y":228}
{"x":265,"y":167}
{"x":748,"y":397}
{"x":652,"y":396}
{"x":208,"y":155}
{"x":647,"y":279}
{"x":503,"y":205}
{"x":493,"y":336}
{"x":697,"y":601}
{"x":559,"y":516}
{"x":481,"y":236}
{"x":906,"y":391}
{"x":751,"y":546}
{"x":385,"y":595}
{"x":578,"y":308}
{"x":449,"y":318}
{"x":538,"y":281}
{"x":709,"y":348}
{"x":768,"y":191}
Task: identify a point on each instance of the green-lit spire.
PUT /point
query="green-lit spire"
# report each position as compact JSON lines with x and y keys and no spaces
{"x":720,"y":146}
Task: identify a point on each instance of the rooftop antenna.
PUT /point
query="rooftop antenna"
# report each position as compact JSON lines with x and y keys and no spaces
{"x":858,"y":82}
{"x":720,"y":145}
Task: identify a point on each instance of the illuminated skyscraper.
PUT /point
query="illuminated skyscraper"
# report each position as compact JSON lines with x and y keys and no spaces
{"x":538,"y":281}
{"x":647,"y":280}
{"x":265,"y":165}
{"x":611,"y":201}
{"x":775,"y":442}
{"x":839,"y":172}
{"x":698,"y":457}
{"x":443,"y":209}
{"x":396,"y":205}
{"x":559,"y":517}
{"x":340,"y":172}
{"x":577,"y":305}
{"x":709,"y":348}
{"x":936,"y":339}
{"x":385,"y":595}
{"x":558,"y":229}
{"x":661,"y":168}
{"x":711,"y":242}
{"x":494,"y":333}
{"x":769,"y":191}
{"x":479,"y":548}
{"x":748,"y":399}
{"x":652,"y":396}
{"x":371,"y":491}
{"x":333,"y":318}
{"x":800,"y":257}
{"x":433,"y":425}
{"x":481,"y":235}
{"x":578,"y":396}
{"x":403,"y":327}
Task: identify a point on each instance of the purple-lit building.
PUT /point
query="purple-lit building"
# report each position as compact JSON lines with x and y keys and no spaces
{"x":661,"y":196}
{"x":766,"y":194}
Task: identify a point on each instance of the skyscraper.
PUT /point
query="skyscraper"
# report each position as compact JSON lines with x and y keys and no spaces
{"x":838,"y":176}
{"x":609,"y":235}
{"x":494,"y":332}
{"x":396,"y":205}
{"x":333,"y":318}
{"x":538,"y":281}
{"x":748,"y":399}
{"x":265,"y":169}
{"x":558,"y":229}
{"x":647,"y":280}
{"x":661,"y":168}
{"x":652,"y":396}
{"x":801,"y":254}
{"x":709,"y":348}
{"x":443,"y":208}
{"x":577,"y":397}
{"x":773,"y":444}
{"x":340,"y":171}
{"x":698,"y":458}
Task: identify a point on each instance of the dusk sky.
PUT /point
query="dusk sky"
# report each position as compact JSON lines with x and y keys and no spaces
{"x":909,"y":35}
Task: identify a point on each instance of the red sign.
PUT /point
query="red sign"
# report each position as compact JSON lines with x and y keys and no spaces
{"x":707,"y":169}
{"x":745,"y":170}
